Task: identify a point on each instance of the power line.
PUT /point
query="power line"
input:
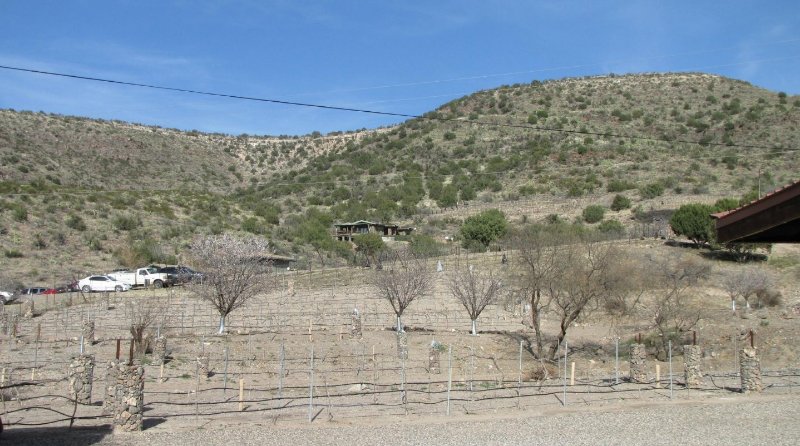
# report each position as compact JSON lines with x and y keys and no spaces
{"x":375,"y":112}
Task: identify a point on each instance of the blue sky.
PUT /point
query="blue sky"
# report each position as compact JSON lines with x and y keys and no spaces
{"x":395,"y":56}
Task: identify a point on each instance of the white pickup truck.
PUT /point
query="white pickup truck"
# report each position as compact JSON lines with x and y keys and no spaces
{"x":143,"y":277}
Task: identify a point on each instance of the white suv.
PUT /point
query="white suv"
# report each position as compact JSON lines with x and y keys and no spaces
{"x":102,"y":283}
{"x":6,"y":297}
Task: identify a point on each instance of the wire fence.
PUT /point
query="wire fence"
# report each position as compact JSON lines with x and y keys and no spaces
{"x":293,"y":354}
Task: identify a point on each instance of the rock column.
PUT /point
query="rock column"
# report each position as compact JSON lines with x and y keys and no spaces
{"x":203,"y":366}
{"x":434,"y":365}
{"x":81,"y":372}
{"x":692,"y":355}
{"x":638,"y":363}
{"x":355,"y":325}
{"x":160,"y":350}
{"x":129,"y":400}
{"x":88,"y":332}
{"x":12,"y":324}
{"x":750,"y":370}
{"x":112,"y":370}
{"x":402,"y":345}
{"x":27,"y":309}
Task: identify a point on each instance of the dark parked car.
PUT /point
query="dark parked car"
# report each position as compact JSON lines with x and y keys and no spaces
{"x":181,"y":274}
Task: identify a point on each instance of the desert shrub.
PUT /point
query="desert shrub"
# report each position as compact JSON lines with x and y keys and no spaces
{"x":620,"y":202}
{"x":593,"y":213}
{"x":13,"y":253}
{"x":38,"y":242}
{"x":425,"y":246}
{"x":20,"y":213}
{"x":611,"y":228}
{"x":617,"y":185}
{"x":651,"y":190}
{"x":254,"y":226}
{"x":694,"y":222}
{"x":484,"y":228}
{"x":769,"y":298}
{"x":75,"y":221}
{"x":126,"y":222}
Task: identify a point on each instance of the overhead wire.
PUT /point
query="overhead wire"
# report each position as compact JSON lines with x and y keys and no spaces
{"x":428,"y":117}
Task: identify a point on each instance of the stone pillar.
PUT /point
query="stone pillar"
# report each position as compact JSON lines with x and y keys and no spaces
{"x":202,"y":366}
{"x":4,"y":323}
{"x":692,"y":355}
{"x":402,"y":345}
{"x":27,"y":309}
{"x":355,"y":325}
{"x":12,"y":324}
{"x":88,"y":332}
{"x":81,"y":372}
{"x":129,"y":399}
{"x":638,"y":363}
{"x":750,"y":370}
{"x":112,"y":370}
{"x":160,"y":350}
{"x":434,"y":365}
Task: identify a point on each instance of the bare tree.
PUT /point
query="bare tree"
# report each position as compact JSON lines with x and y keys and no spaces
{"x":582,"y":276}
{"x":537,"y":251}
{"x":235,"y":269}
{"x":566,"y":273}
{"x":403,"y":279}
{"x":672,"y":278}
{"x":745,"y":284}
{"x":141,"y":316}
{"x":475,"y":291}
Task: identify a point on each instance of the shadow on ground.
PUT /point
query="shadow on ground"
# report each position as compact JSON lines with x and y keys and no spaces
{"x":64,"y":436}
{"x":77,"y":436}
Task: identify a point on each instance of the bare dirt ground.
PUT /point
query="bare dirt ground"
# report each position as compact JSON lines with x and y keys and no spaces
{"x":361,"y":387}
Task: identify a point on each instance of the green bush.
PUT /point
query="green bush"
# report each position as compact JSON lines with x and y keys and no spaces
{"x":126,"y":222}
{"x":612,"y":228}
{"x":484,"y":228}
{"x":617,"y":185}
{"x":254,"y":226}
{"x":75,"y":222}
{"x":694,"y":222}
{"x":13,"y":253}
{"x":425,"y":245}
{"x":620,"y":202}
{"x":593,"y":213}
{"x":20,"y":213}
{"x":651,"y":190}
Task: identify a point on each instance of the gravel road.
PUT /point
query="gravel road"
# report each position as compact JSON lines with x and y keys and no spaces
{"x":751,"y":420}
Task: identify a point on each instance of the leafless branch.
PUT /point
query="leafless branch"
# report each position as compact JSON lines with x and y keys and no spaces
{"x":475,"y":291}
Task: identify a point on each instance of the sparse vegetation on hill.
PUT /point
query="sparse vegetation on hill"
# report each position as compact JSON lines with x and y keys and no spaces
{"x":74,"y":188}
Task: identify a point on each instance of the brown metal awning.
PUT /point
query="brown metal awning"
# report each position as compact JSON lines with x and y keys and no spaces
{"x":774,"y":218}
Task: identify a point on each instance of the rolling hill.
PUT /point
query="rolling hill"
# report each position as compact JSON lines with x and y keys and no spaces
{"x":80,"y":195}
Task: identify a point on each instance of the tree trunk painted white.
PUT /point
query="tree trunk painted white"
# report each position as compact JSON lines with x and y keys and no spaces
{"x":221,"y":325}
{"x":474,"y":327}
{"x":733,"y":305}
{"x":399,"y":325}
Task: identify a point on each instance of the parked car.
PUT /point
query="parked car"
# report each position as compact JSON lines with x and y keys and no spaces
{"x":33,"y":290}
{"x":6,"y":297}
{"x":180,"y":274}
{"x":143,"y":277}
{"x":102,"y":283}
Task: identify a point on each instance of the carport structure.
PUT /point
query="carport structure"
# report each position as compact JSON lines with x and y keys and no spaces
{"x":773,"y":218}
